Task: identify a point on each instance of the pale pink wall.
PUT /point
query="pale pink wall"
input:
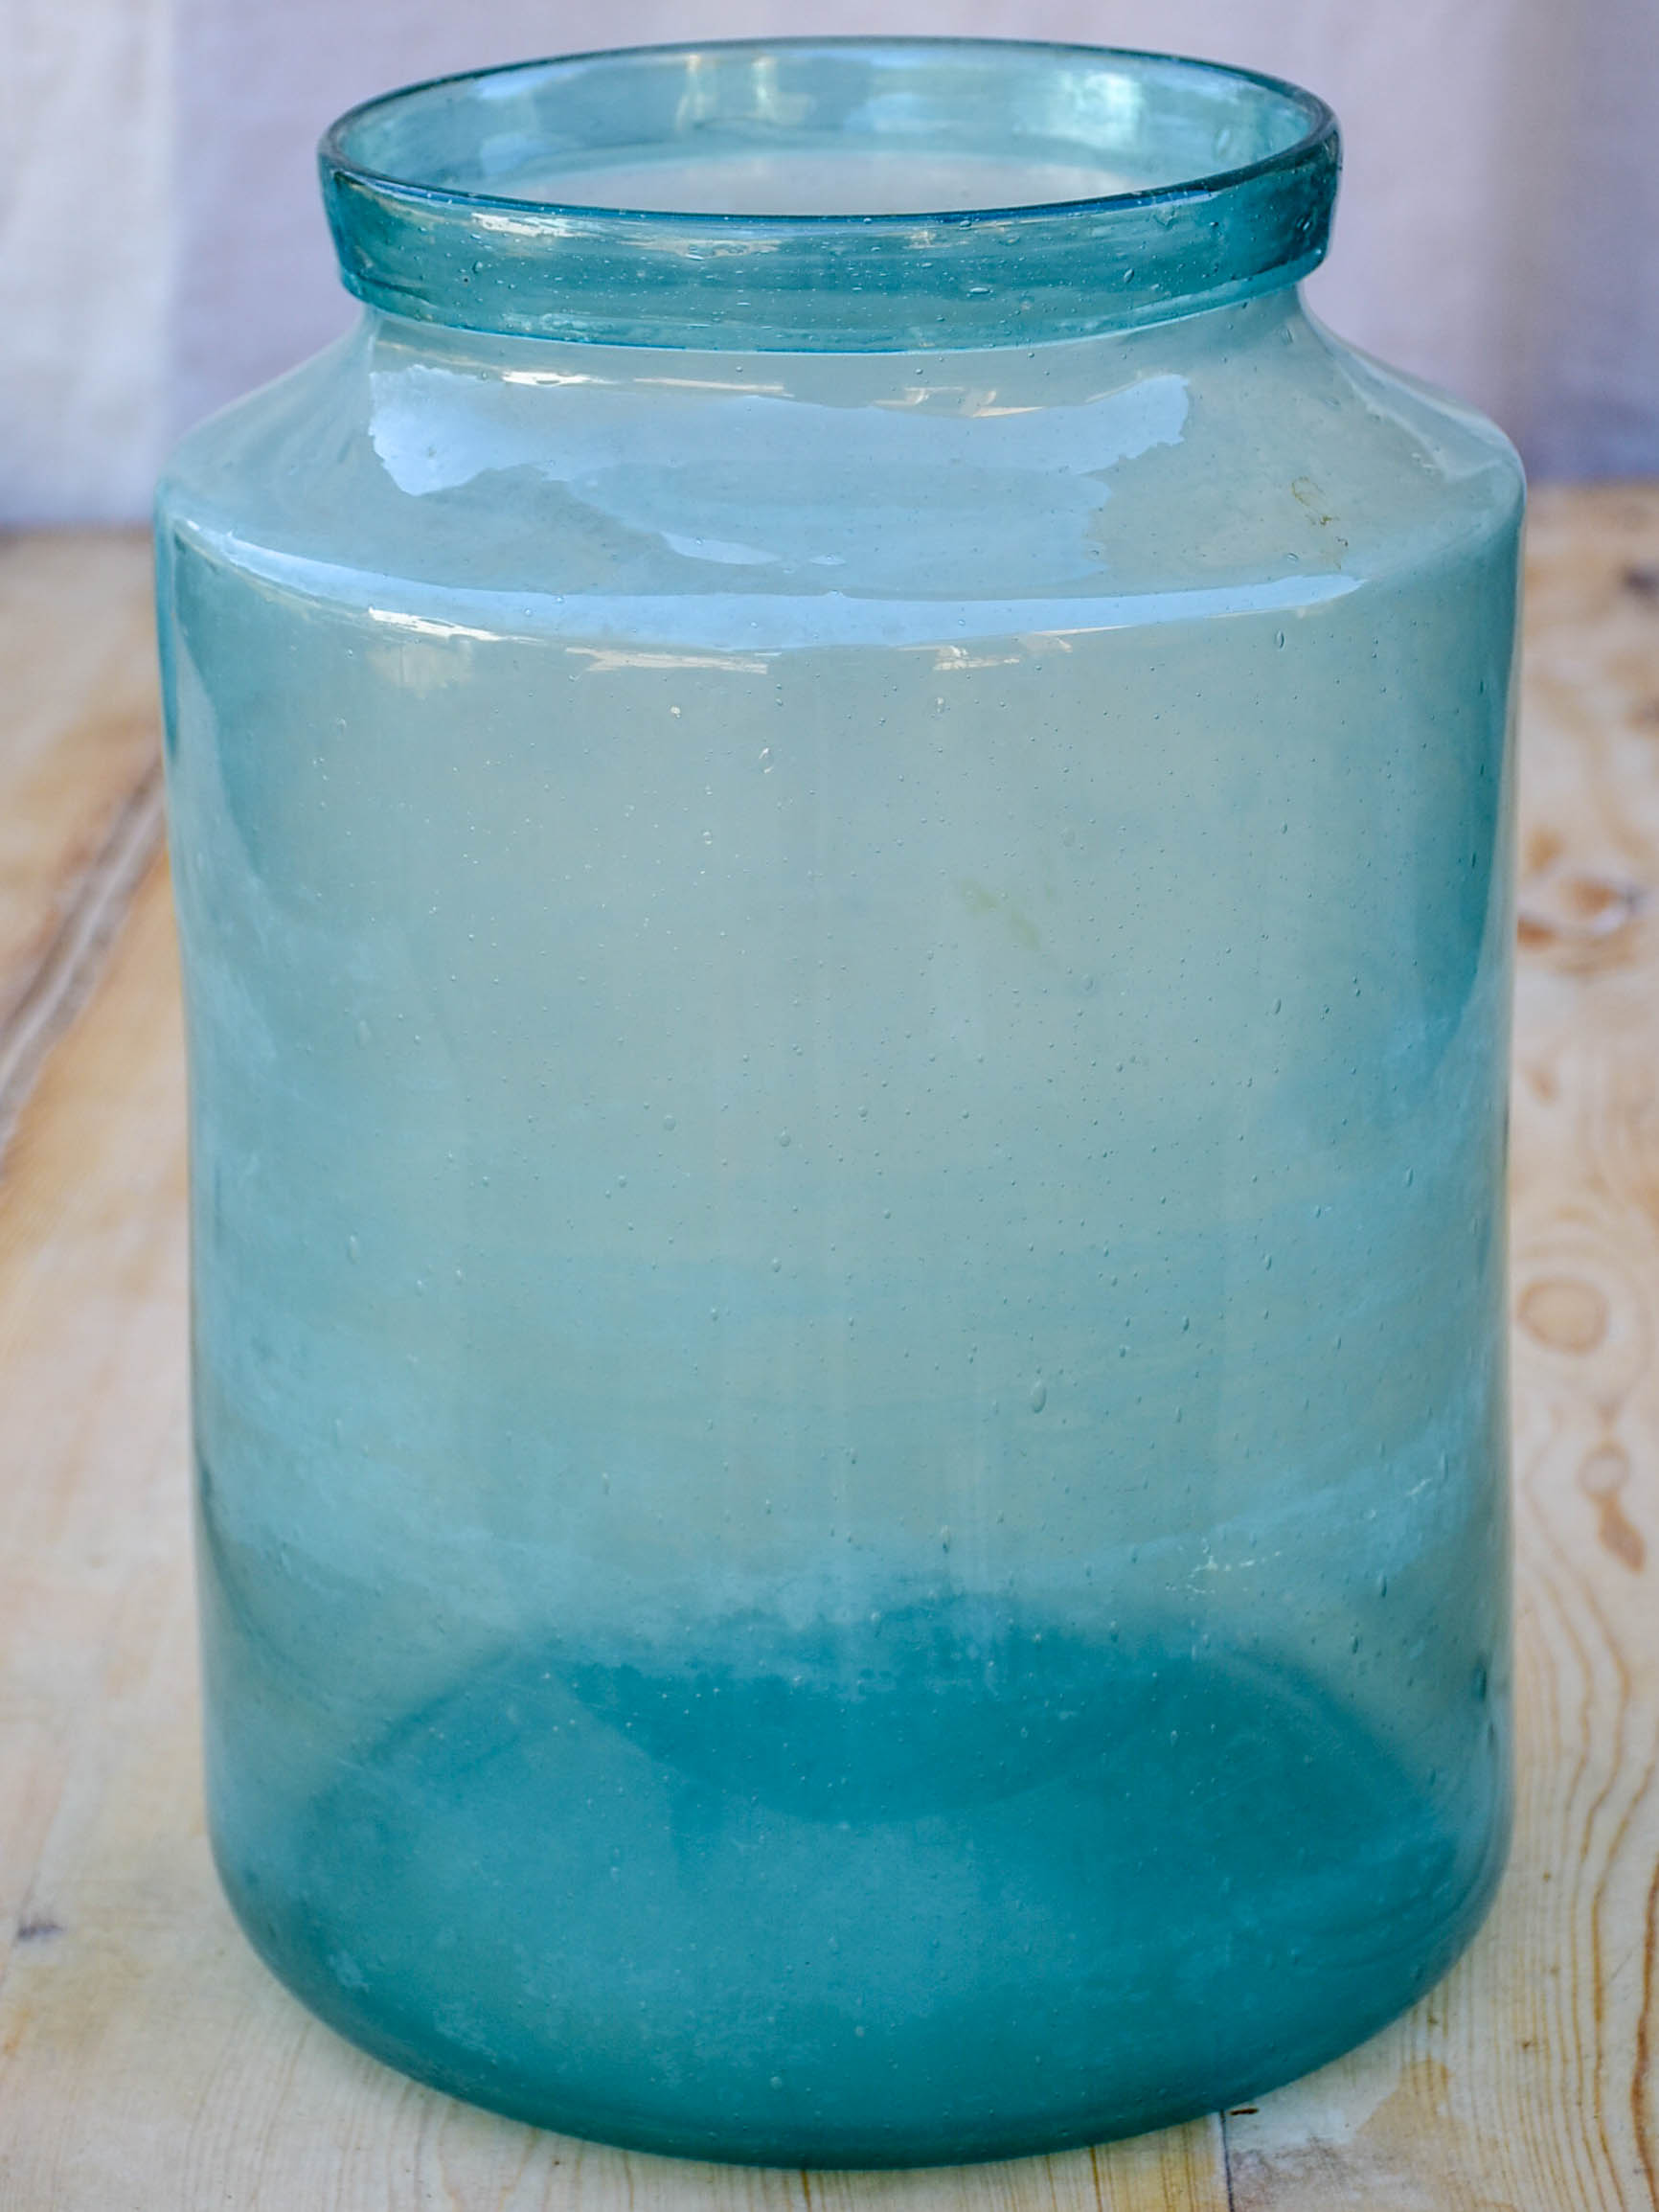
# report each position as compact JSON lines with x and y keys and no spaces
{"x":1595,"y":409}
{"x":87,"y":205}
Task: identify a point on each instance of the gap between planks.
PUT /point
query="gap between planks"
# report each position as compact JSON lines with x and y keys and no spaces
{"x":80,"y":803}
{"x":68,"y":970}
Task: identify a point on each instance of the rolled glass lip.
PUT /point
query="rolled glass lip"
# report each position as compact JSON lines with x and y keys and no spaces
{"x":406,"y":183}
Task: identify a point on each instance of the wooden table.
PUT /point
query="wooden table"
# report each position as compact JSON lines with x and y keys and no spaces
{"x":148,"y":2064}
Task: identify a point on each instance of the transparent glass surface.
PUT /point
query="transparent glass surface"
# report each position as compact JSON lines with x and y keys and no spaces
{"x":845,"y":195}
{"x":848,"y":1016}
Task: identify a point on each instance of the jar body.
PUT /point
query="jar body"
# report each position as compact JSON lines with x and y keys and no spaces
{"x":849,"y":1045}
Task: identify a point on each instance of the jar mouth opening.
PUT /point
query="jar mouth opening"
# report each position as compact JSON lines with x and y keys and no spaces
{"x":843,"y":191}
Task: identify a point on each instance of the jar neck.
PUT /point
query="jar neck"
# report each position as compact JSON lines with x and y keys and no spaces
{"x":971,"y":379}
{"x":1138,"y":188}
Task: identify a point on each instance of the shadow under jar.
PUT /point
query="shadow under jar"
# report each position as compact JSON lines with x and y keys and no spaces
{"x":845,"y":886}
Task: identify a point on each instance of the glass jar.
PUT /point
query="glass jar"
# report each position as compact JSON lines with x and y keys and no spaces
{"x":845,"y":887}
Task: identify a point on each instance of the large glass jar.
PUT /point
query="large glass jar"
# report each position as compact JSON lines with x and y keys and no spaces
{"x":845,"y":893}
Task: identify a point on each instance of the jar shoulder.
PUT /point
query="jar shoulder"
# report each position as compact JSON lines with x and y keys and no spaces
{"x":1217,"y":452}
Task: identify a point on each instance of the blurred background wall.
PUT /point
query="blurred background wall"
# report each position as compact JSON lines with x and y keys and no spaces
{"x":162,"y":247}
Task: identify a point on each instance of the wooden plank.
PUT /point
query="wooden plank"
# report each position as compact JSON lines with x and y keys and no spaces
{"x":80,"y":774}
{"x":146,"y":2058}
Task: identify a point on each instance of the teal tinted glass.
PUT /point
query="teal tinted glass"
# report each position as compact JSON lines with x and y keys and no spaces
{"x":848,"y":973}
{"x":833,"y":194}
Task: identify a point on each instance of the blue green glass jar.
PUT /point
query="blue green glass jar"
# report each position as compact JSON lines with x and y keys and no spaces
{"x":844,"y":889}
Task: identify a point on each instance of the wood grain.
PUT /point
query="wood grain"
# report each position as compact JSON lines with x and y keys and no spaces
{"x":79,"y":775}
{"x":148,"y":2060}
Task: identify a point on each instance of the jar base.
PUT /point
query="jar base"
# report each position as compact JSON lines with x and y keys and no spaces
{"x":946,"y":1887}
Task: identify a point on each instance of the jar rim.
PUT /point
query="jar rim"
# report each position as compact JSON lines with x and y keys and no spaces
{"x":413,"y":180}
